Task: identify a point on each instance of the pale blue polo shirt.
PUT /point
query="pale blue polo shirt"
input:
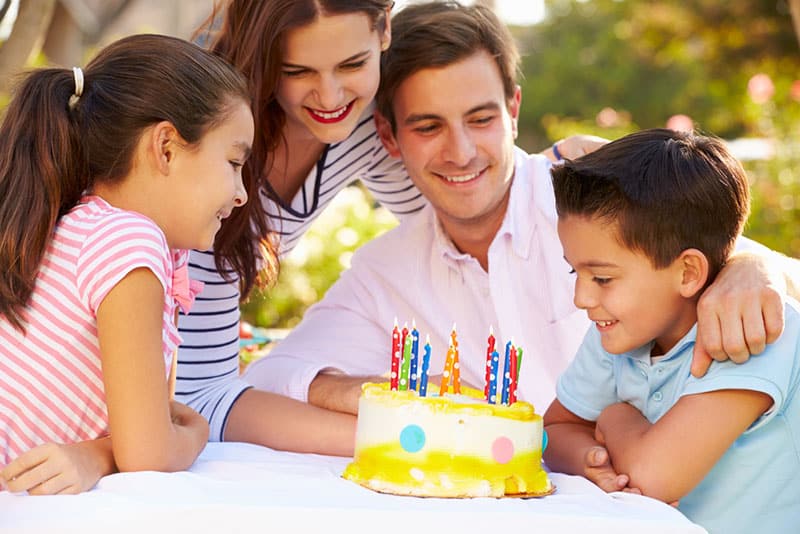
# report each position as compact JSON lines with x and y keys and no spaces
{"x":755,"y":486}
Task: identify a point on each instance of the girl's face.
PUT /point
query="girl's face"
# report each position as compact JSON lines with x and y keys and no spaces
{"x":330,"y":74}
{"x":207,"y":182}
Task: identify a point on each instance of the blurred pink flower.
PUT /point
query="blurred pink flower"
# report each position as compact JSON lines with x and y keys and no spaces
{"x":760,"y":88}
{"x":680,"y":123}
{"x":794,"y":91}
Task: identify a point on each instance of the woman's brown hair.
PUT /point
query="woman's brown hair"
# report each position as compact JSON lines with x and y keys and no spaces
{"x":52,"y":150}
{"x":251,"y":39}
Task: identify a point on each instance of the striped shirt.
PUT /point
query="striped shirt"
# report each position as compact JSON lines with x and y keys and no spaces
{"x":51,"y":382}
{"x":208,"y":361}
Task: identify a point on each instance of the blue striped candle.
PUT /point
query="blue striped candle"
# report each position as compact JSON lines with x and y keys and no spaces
{"x":506,"y":374}
{"x":426,"y":361}
{"x":412,"y":382}
{"x":493,"y":378}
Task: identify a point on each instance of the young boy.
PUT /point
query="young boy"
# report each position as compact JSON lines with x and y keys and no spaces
{"x":646,"y":222}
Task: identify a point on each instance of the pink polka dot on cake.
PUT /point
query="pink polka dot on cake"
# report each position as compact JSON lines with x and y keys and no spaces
{"x":502,"y":450}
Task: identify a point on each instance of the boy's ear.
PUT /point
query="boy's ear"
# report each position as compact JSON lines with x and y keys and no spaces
{"x":386,"y":134}
{"x":694,"y":268}
{"x":163,"y":144}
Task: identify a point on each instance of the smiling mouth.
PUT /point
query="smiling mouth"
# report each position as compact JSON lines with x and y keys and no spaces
{"x":604,"y":324}
{"x":327,"y":117}
{"x":460,"y":178}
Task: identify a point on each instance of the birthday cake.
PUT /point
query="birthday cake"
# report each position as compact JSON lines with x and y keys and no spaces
{"x":454,"y":445}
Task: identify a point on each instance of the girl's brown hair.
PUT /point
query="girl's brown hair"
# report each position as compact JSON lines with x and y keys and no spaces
{"x":251,"y":39}
{"x":52,"y":151}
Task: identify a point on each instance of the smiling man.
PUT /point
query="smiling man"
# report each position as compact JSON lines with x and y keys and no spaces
{"x":483,"y":253}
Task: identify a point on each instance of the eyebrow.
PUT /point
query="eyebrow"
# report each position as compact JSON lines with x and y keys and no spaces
{"x":419,"y":117}
{"x":591,"y":264}
{"x":354,"y":57}
{"x":244,"y":147}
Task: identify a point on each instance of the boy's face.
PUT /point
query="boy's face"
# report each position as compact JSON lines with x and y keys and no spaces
{"x":455,"y":133}
{"x":630,"y":302}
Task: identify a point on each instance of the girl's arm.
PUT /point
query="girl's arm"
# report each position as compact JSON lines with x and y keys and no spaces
{"x":53,"y":468}
{"x":572,"y":448}
{"x":666,"y":460}
{"x":145,"y":434}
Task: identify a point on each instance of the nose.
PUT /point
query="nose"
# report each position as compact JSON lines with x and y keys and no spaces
{"x":460,"y":148}
{"x":240,"y":193}
{"x":329,"y":92}
{"x":584,"y":295}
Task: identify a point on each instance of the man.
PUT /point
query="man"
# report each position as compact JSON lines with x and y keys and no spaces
{"x":485,"y":251}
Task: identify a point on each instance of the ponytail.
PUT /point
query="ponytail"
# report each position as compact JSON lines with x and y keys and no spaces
{"x":42,"y":175}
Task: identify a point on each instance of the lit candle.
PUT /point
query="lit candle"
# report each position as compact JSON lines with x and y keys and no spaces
{"x":406,"y":363}
{"x":412,"y":382}
{"x":448,"y":370}
{"x":426,"y":361}
{"x":493,"y":378}
{"x":395,"y":369}
{"x":506,"y":374}
{"x":489,"y":351}
{"x":456,"y":364}
{"x":512,"y":387}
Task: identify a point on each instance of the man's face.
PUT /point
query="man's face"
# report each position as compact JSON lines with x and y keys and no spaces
{"x":455,"y":133}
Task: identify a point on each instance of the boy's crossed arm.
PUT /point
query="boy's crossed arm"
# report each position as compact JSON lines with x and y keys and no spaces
{"x":586,"y":455}
{"x":665,"y":460}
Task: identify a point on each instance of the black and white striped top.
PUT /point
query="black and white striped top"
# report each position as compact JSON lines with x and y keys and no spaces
{"x":208,"y":363}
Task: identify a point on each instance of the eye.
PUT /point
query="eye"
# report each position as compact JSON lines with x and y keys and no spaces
{"x":236,"y":164}
{"x":355,"y":65}
{"x":483,"y":120}
{"x":601,"y":281}
{"x":294,"y":73}
{"x":426,"y":128}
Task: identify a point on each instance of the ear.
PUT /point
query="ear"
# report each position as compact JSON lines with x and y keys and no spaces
{"x":386,"y":134}
{"x":693,"y":268}
{"x":163,"y":145}
{"x":513,"y":110}
{"x":386,"y":36}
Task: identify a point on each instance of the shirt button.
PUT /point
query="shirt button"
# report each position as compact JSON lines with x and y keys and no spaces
{"x":644,"y":373}
{"x":660,"y":370}
{"x":657,"y":396}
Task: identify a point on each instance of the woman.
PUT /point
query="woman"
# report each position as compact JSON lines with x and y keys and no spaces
{"x":313,"y":69}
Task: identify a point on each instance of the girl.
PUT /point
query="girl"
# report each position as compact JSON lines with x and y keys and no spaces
{"x":105,"y":175}
{"x":313,"y":71}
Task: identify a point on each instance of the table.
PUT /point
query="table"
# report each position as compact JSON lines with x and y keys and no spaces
{"x":237,"y":487}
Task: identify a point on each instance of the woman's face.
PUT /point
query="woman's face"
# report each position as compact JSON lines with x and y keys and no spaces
{"x":330,"y":74}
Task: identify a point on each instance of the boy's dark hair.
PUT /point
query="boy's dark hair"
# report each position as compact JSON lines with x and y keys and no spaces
{"x":667,"y":191}
{"x":438,"y":34}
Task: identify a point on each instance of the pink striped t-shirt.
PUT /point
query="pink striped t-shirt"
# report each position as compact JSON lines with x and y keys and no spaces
{"x":51,"y":383}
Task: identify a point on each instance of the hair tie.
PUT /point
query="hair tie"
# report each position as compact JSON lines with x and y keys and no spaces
{"x":77,"y":74}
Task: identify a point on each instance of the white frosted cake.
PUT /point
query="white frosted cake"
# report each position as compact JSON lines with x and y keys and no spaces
{"x":451,"y":446}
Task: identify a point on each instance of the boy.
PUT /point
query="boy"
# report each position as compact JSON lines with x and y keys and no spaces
{"x":646,"y":222}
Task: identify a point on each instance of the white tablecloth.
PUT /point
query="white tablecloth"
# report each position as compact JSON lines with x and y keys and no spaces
{"x":235,"y":487}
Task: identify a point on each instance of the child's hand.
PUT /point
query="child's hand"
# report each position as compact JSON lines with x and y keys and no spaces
{"x":53,"y":469}
{"x":598,"y":469}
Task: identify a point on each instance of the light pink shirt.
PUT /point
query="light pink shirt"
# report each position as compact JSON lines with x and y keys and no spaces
{"x":415,"y":272}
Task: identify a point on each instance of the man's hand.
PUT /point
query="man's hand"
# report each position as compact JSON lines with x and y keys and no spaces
{"x":338,"y":392}
{"x":54,"y":469}
{"x":739,"y":313}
